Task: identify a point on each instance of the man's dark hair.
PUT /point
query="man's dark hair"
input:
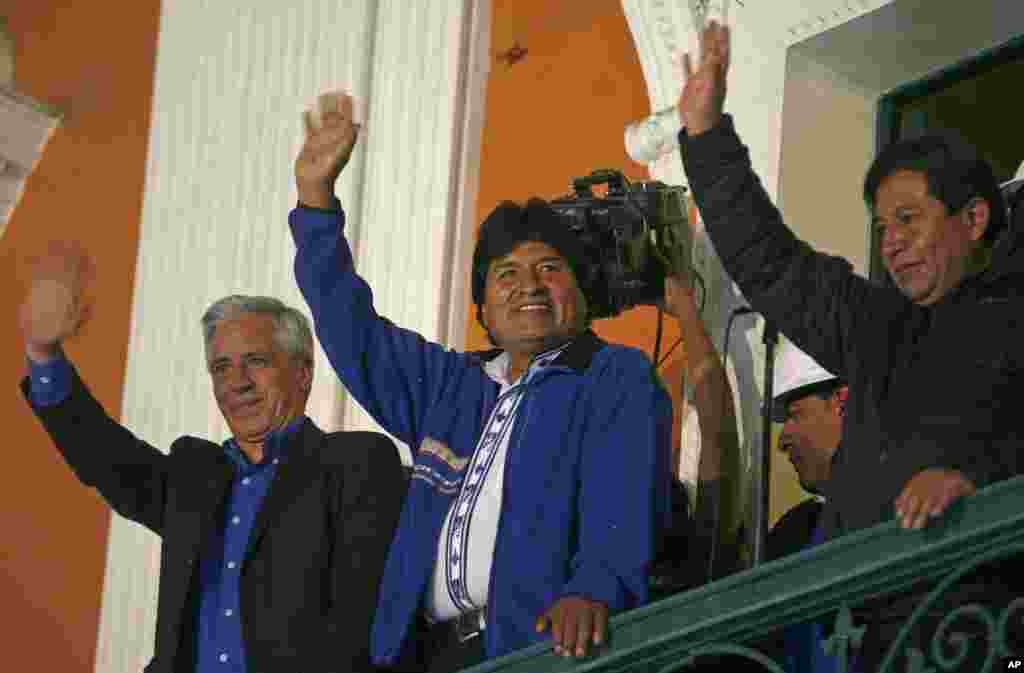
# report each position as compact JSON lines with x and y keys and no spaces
{"x":512,"y":224}
{"x":826,"y":389}
{"x":954,"y":172}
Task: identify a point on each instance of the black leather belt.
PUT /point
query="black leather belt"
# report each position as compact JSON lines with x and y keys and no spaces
{"x":465,"y":627}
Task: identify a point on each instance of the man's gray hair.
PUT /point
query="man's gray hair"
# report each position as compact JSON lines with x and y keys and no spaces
{"x":292,"y":331}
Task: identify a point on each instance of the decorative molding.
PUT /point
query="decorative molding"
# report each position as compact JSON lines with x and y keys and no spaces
{"x":6,"y":54}
{"x":27,"y":127}
{"x":660,"y":29}
{"x":824,"y":16}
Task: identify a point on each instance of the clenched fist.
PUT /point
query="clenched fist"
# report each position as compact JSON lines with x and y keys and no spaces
{"x":55,"y":307}
{"x":679,"y":299}
{"x":326,"y":150}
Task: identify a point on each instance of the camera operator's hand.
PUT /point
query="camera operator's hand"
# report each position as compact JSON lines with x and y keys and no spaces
{"x":680,"y":301}
{"x":703,"y":95}
{"x":55,"y":307}
{"x":327,"y":149}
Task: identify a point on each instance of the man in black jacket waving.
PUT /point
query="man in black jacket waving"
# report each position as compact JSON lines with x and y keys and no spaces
{"x":274,"y":542}
{"x":935,"y":365}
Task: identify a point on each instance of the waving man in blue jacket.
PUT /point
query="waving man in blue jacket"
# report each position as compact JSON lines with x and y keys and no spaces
{"x":541,"y":471}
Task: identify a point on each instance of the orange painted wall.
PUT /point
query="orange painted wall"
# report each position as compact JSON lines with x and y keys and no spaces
{"x":559,"y":113}
{"x":94,"y":60}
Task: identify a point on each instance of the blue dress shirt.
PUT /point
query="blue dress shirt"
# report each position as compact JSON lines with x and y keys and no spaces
{"x":219,"y":644}
{"x":49,"y":383}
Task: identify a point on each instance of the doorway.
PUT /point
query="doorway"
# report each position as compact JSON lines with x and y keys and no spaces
{"x":975,"y":98}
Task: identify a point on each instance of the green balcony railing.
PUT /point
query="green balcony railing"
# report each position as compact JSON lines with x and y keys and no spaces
{"x":672,"y":635}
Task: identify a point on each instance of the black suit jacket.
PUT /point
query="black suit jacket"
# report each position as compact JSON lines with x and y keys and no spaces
{"x":311,"y":572}
{"x":793,"y":531}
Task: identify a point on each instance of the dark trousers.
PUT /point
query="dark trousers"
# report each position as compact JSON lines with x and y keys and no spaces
{"x":449,"y":655}
{"x":436,"y":648}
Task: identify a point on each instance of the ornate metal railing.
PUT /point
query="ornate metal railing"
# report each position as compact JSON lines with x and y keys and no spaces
{"x":830,"y":581}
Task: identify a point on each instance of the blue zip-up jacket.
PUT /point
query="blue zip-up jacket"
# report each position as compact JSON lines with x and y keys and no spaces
{"x":586,"y":487}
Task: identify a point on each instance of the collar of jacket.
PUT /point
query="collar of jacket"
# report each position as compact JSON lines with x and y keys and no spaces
{"x":576,"y":356}
{"x":1001,"y":281}
{"x":1002,"y":278}
{"x":1008,"y":250}
{"x":279,"y":443}
{"x":837,"y":457}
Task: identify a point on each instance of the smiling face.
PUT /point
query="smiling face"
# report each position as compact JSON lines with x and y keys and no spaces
{"x":259,"y":386}
{"x":926,"y":251}
{"x":810,"y":437}
{"x":532,"y":302}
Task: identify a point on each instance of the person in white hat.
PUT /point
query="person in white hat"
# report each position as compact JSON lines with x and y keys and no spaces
{"x":809,"y":402}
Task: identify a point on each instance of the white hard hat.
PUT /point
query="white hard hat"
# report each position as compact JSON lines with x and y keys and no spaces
{"x":795,"y":372}
{"x":1016,"y":179}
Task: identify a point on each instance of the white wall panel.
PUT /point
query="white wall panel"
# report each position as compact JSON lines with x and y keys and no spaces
{"x":232,"y":80}
{"x":410,"y":139}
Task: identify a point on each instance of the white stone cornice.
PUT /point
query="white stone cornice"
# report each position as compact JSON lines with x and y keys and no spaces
{"x":660,"y":29}
{"x":806,"y":20}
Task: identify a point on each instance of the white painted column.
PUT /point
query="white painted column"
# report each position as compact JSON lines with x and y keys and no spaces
{"x":232,"y":80}
{"x":421,"y":143}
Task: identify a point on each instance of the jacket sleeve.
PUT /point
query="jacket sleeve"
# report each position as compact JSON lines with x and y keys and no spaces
{"x":365,"y":515}
{"x":815,"y":299}
{"x":395,"y":374}
{"x":624,"y":503}
{"x":130,"y":474}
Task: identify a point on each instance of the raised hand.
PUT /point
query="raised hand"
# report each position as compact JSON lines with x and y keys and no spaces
{"x":55,"y":307}
{"x":679,"y":299}
{"x":703,"y":95}
{"x":326,"y":150}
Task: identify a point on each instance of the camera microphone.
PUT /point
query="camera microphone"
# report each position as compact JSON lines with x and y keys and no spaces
{"x":632,"y":237}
